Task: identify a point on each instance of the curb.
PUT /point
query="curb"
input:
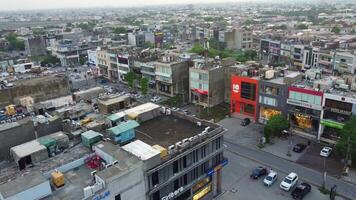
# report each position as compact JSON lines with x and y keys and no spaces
{"x":255,"y":160}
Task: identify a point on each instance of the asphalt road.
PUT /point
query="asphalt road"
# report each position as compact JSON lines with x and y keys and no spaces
{"x":345,"y":189}
{"x":237,"y":185}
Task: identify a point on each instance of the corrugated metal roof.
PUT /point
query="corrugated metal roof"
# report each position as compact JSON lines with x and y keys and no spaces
{"x":135,"y":110}
{"x":125,"y":126}
{"x":90,"y":134}
{"x":141,"y":150}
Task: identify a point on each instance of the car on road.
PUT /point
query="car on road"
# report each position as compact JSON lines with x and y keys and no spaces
{"x":301,"y":190}
{"x":326,"y":151}
{"x":175,"y":109}
{"x":289,"y":181}
{"x":258,"y":172}
{"x":155,"y":99}
{"x":245,"y":122}
{"x":137,"y":96}
{"x":270,"y":178}
{"x":298,"y":148}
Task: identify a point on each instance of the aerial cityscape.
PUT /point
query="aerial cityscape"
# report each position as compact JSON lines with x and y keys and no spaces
{"x":178,"y":100}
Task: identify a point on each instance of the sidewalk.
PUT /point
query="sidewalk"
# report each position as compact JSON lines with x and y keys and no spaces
{"x":280,"y":148}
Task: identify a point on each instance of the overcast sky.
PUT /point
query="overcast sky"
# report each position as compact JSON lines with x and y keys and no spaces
{"x":44,"y":4}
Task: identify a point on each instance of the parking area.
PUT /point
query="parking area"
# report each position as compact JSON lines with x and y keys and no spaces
{"x":238,"y":185}
{"x":312,"y":159}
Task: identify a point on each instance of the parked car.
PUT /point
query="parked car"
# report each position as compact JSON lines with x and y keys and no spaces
{"x":258,"y":172}
{"x":326,"y":151}
{"x":298,"y":148}
{"x":289,"y":181}
{"x":137,"y":96}
{"x":300,"y":191}
{"x":155,"y":99}
{"x":245,"y":122}
{"x":270,"y":178}
{"x":175,"y":109}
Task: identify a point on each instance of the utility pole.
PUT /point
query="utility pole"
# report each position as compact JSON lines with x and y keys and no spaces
{"x":324,"y":174}
{"x":348,"y":157}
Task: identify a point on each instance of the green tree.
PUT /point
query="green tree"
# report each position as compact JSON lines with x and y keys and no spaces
{"x":49,"y":59}
{"x":348,"y":131}
{"x":250,"y":54}
{"x":197,"y":48}
{"x":15,"y":44}
{"x":119,"y":30}
{"x":144,"y":85}
{"x":130,"y":79}
{"x":302,"y":26}
{"x":275,"y":125}
{"x":336,"y":30}
{"x":149,"y":44}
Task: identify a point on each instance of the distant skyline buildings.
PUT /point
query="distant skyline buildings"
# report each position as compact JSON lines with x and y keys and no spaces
{"x":15,"y":5}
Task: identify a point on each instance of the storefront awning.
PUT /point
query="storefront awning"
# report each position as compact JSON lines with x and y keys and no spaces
{"x":200,"y":91}
{"x":332,"y":124}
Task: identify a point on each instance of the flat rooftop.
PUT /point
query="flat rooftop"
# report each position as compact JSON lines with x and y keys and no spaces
{"x":75,"y":180}
{"x":166,"y":130}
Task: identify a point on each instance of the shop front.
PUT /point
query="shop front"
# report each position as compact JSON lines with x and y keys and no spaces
{"x":244,"y":92}
{"x":337,"y":111}
{"x":266,"y":113}
{"x":304,"y":110}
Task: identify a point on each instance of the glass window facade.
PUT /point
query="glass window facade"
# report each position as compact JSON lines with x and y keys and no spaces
{"x":308,"y":98}
{"x":248,"y":91}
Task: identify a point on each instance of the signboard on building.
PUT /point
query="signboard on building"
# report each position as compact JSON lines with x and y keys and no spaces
{"x":236,"y":88}
{"x":173,"y":194}
{"x":303,"y":104}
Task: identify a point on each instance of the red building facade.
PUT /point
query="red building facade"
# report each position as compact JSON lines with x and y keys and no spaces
{"x":244,"y":96}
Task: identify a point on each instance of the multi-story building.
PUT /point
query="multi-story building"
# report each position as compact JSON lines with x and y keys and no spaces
{"x":325,"y":61}
{"x":67,"y":52}
{"x":35,"y":46}
{"x":169,"y":155}
{"x":310,"y":57}
{"x":103,"y":63}
{"x":345,"y":62}
{"x":172,"y":76}
{"x":297,"y":56}
{"x":136,"y":39}
{"x":206,"y":83}
{"x":270,"y":51}
{"x":236,"y":39}
{"x":244,"y":95}
{"x":273,"y":92}
{"x":338,"y":106}
{"x":304,"y":108}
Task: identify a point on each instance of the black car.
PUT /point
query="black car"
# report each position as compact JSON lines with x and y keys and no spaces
{"x":258,"y":172}
{"x":299,"y":147}
{"x":245,"y":122}
{"x":301,"y":190}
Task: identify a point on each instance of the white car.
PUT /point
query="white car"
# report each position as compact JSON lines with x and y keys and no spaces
{"x":289,"y":181}
{"x":326,"y":151}
{"x":155,"y":99}
{"x":175,"y":109}
{"x":270,"y":178}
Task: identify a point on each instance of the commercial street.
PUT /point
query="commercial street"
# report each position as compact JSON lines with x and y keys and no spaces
{"x":239,"y":148}
{"x":238,"y":185}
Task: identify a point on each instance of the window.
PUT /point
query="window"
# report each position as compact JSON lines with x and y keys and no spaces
{"x":194,"y":75}
{"x":175,"y":167}
{"x":342,"y":60}
{"x":184,"y":161}
{"x":156,"y":196}
{"x":248,"y":91}
{"x":118,"y":197}
{"x":249,"y":109}
{"x":154,"y":178}
{"x":203,"y":77}
{"x":176,"y":184}
{"x":268,"y":101}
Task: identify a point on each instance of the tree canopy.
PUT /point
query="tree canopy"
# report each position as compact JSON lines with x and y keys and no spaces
{"x":275,"y":126}
{"x":348,"y":130}
{"x":336,"y":30}
{"x":119,"y":30}
{"x":130,"y":79}
{"x":15,"y":44}
{"x":144,"y":85}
